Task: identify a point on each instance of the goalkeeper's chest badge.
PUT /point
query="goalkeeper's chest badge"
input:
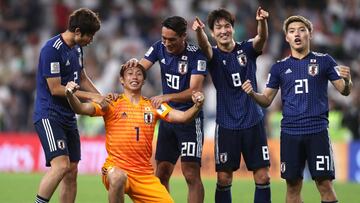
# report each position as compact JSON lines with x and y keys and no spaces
{"x":148,"y":117}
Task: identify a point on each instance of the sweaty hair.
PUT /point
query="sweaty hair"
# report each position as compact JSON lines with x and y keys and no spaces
{"x":218,"y":14}
{"x":176,"y":23}
{"x":124,"y":68}
{"x":297,"y":18}
{"x":86,"y":20}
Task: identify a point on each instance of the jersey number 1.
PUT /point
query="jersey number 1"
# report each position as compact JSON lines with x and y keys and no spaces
{"x":137,"y":133}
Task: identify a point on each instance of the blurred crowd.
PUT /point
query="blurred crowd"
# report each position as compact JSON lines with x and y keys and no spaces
{"x":129,"y":27}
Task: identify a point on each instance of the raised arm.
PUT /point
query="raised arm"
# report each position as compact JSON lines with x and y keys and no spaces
{"x":262,"y":29}
{"x":202,"y":38}
{"x":77,"y":106}
{"x":196,"y":83}
{"x":264,"y":99}
{"x":343,"y":85}
{"x":177,"y":116}
{"x":57,"y":89}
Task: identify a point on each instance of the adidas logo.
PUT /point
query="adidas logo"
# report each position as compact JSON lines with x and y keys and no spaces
{"x":288,"y":71}
{"x":162,"y":61}
{"x":67,"y":62}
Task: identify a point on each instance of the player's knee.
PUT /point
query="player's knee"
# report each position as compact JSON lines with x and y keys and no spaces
{"x":164,"y":173}
{"x":61,"y":168}
{"x":294,"y":186}
{"x":71,"y":175}
{"x":117,"y":178}
{"x":224,"y":179}
{"x":262,"y":178}
{"x":191,"y":173}
{"x":325,"y":187}
{"x":262,"y":175}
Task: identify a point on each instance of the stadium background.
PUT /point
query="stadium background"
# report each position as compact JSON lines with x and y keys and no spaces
{"x":128,"y":29}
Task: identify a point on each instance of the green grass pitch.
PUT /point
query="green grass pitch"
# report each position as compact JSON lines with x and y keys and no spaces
{"x":21,"y":188}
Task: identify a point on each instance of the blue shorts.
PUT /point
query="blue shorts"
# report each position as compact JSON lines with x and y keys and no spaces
{"x":250,"y":142}
{"x":57,"y":139}
{"x":185,"y":140}
{"x":315,"y":148}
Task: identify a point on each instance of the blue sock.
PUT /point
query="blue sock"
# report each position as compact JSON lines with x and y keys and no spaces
{"x":262,"y":193}
{"x":223,"y":194}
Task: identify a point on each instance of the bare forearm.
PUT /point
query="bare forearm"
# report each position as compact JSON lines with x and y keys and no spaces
{"x":77,"y":106}
{"x":347,"y":87}
{"x":261,"y":99}
{"x":262,"y":35}
{"x":184,"y":96}
{"x":204,"y":43}
{"x":262,"y":30}
{"x":191,"y":113}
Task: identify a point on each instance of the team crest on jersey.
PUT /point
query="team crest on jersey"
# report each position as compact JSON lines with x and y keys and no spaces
{"x":148,"y":117}
{"x":182,"y":67}
{"x":313,"y":69}
{"x":223,"y":157}
{"x":242,"y":59}
{"x":61,"y":144}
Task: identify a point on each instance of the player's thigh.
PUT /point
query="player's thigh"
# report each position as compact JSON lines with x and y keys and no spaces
{"x":190,"y":138}
{"x":167,"y":143}
{"x":53,"y":138}
{"x":73,"y":143}
{"x":292,"y":156}
{"x":254,"y":147}
{"x":320,"y":156}
{"x":227,"y":149}
{"x":147,"y":188}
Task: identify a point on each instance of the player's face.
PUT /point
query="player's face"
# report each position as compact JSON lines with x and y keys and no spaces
{"x":83,"y":40}
{"x":223,"y":32}
{"x":133,"y":79}
{"x":173,"y":43}
{"x":298,"y":37}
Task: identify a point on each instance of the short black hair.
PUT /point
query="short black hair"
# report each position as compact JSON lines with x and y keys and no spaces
{"x":124,"y":68}
{"x":86,"y":20}
{"x":218,"y":14}
{"x":176,"y":23}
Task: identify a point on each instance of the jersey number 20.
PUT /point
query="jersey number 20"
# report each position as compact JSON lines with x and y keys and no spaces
{"x":172,"y":81}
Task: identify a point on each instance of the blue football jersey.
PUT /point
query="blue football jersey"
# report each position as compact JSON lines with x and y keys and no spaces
{"x":235,"y":109}
{"x":56,"y":60}
{"x":304,"y":84}
{"x":176,"y":70}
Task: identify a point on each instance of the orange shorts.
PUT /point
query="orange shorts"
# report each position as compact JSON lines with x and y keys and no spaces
{"x":142,"y":188}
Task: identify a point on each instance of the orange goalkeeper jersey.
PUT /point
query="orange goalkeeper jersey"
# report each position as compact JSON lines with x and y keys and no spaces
{"x":129,"y":133}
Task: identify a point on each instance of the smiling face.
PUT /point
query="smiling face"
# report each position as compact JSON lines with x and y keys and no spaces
{"x":173,"y":43}
{"x":298,"y":36}
{"x":222,"y":32}
{"x":132,"y":79}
